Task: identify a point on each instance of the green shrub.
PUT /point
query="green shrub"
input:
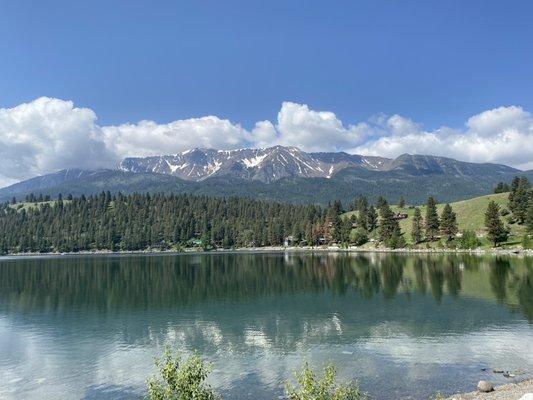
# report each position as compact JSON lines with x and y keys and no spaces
{"x":179,"y":380}
{"x":468,"y":240}
{"x":310,"y":387}
{"x":396,"y":241}
{"x":358,"y":236}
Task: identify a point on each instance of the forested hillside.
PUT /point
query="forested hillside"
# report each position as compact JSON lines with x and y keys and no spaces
{"x":160,"y":221}
{"x":166,"y":221}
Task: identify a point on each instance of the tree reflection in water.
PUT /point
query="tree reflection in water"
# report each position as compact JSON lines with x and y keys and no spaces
{"x":171,"y":281}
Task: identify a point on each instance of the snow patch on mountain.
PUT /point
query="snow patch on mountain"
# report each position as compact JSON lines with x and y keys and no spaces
{"x":264,"y":164}
{"x":254,"y":162}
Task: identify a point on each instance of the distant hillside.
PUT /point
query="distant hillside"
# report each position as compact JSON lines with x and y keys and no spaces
{"x":283,"y":174}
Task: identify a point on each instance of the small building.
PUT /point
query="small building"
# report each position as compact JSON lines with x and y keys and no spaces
{"x":399,"y":215}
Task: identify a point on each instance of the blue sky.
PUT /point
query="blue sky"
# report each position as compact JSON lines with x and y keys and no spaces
{"x":435,"y":63}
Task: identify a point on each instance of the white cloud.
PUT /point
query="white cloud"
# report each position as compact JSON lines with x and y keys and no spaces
{"x":149,"y":138}
{"x":502,"y":135}
{"x":50,"y":134}
{"x":314,"y":130}
{"x":47,"y":135}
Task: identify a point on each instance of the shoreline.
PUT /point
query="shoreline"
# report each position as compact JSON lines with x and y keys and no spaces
{"x":508,"y":391}
{"x":283,"y":249}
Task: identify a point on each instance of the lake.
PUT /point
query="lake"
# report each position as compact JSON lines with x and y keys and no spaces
{"x":405,"y":326}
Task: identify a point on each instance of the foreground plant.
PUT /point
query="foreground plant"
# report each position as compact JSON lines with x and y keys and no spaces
{"x":180,"y":380}
{"x":310,"y":387}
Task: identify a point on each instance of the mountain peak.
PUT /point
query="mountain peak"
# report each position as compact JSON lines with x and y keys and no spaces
{"x":264,"y":164}
{"x":277,"y":162}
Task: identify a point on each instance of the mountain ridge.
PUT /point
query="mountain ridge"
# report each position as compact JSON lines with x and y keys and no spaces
{"x":283,"y":174}
{"x":278,"y":162}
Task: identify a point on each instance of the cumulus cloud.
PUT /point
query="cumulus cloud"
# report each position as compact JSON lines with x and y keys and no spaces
{"x":48,"y":134}
{"x":149,"y":138}
{"x":314,"y":130}
{"x":502,"y":135}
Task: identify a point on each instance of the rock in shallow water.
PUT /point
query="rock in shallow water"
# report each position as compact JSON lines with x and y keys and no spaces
{"x":484,"y":386}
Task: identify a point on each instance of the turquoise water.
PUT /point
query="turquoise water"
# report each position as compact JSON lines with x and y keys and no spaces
{"x":405,"y":326}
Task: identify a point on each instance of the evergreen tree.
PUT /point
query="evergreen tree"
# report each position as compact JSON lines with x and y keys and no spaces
{"x":397,"y":241}
{"x":346,"y":228}
{"x":401,"y":202}
{"x":519,"y":198}
{"x":335,"y":221}
{"x":432,"y":219}
{"x":529,"y":218}
{"x":496,"y":231}
{"x":337,"y":207}
{"x":381,"y":202}
{"x":362,"y":210}
{"x":371,"y":219}
{"x":448,"y":222}
{"x":416,"y":232}
{"x":388,"y":226}
{"x":501,"y":187}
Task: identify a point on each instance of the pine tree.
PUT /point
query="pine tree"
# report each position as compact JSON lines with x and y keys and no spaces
{"x":346,"y":228}
{"x":496,"y":231}
{"x":416,"y":232}
{"x":432,"y":219}
{"x":401,"y":202}
{"x":397,"y":240}
{"x":501,"y":187}
{"x":519,"y":198}
{"x":335,"y":221}
{"x":388,"y":226}
{"x":371,"y":219}
{"x":381,"y":202}
{"x":448,"y":222}
{"x":529,"y":218}
{"x":362,"y":210}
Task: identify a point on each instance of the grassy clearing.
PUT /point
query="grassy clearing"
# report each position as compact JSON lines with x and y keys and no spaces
{"x":470,"y":216}
{"x":31,"y":205}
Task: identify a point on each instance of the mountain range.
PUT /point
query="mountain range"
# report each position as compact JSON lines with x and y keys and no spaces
{"x":266,"y":165}
{"x":279,"y":173}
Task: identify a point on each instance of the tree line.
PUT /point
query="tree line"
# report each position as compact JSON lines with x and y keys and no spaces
{"x":166,"y":221}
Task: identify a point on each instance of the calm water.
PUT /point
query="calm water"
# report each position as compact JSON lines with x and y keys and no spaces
{"x":404,"y":326}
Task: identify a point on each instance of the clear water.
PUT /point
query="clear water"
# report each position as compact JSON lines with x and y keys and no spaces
{"x":405,"y":326}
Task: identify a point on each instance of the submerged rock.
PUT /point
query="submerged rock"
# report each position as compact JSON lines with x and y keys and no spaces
{"x":484,"y":386}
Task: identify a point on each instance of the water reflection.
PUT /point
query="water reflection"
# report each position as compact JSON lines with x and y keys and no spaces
{"x":90,"y":326}
{"x":169,"y":281}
